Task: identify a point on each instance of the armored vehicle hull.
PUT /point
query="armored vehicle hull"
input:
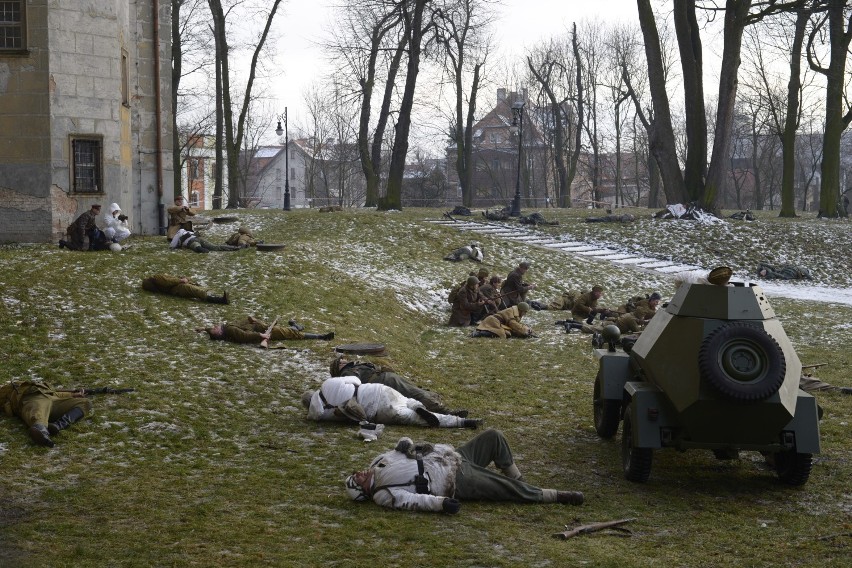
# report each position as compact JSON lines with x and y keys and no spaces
{"x":713,"y":370}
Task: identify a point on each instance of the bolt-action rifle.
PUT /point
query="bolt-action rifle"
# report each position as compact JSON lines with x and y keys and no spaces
{"x":87,"y":391}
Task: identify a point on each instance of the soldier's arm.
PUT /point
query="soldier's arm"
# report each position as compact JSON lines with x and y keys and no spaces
{"x":398,"y":498}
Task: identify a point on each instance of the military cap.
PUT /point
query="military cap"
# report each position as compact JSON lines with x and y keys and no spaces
{"x":597,"y":288}
{"x":525,"y":264}
{"x":655,"y":296}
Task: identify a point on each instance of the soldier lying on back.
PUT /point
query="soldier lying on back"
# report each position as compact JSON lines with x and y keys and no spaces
{"x":253,"y":330}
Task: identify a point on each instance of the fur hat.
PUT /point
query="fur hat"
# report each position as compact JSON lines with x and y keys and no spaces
{"x":355,"y":491}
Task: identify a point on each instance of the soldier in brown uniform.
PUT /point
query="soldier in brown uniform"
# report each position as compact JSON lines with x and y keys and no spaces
{"x":645,"y":309}
{"x":370,"y":373}
{"x":253,"y":330}
{"x":44,"y":411}
{"x":181,"y":287}
{"x":505,"y":323}
{"x":587,"y":304}
{"x":467,"y":302}
{"x":178,"y":214}
{"x":242,"y":238}
{"x":84,"y":228}
{"x":514,"y":288}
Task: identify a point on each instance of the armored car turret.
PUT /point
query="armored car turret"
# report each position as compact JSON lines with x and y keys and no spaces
{"x":713,"y":370}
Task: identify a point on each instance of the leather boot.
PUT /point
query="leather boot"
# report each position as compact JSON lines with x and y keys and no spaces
{"x":570,"y":497}
{"x":223,"y":299}
{"x":41,"y":436}
{"x":472,"y":424}
{"x":329,"y":335}
{"x":65,"y":421}
{"x":430,"y":418}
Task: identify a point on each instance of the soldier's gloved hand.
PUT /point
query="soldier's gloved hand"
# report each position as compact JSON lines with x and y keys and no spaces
{"x":451,"y":506}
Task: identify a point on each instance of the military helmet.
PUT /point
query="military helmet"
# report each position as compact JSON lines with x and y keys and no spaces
{"x":523,"y":307}
{"x":720,"y":275}
{"x":471,"y":280}
{"x":483,"y":273}
{"x":655,"y":296}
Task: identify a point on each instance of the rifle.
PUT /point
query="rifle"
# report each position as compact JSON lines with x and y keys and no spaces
{"x":568,"y":324}
{"x":85,"y":391}
{"x":265,"y":342}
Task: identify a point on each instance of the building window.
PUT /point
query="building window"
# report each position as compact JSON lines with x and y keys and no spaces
{"x":86,"y":165}
{"x":193,"y":199}
{"x":195,"y":169}
{"x":13,"y":25}
{"x":125,"y":81}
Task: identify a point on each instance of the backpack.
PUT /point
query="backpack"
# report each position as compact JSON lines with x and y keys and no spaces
{"x":454,"y":293}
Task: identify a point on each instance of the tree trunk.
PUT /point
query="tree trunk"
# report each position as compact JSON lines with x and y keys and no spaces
{"x":396,"y":169}
{"x":735,"y":22}
{"x":689,"y":42}
{"x":791,"y":119}
{"x":661,"y":134}
{"x":177,"y":62}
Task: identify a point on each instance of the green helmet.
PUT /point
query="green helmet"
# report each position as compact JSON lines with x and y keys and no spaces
{"x":523,"y":307}
{"x":472,"y":280}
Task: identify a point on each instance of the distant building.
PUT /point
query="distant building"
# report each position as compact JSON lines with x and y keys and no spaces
{"x":85,"y":105}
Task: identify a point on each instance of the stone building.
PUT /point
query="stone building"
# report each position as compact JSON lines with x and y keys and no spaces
{"x":85,"y":112}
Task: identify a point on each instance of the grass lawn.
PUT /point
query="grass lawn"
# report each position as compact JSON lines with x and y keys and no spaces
{"x":211,"y":461}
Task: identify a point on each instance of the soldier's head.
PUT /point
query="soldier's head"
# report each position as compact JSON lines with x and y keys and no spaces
{"x":597,"y":292}
{"x":96,"y":208}
{"x":216,"y":331}
{"x":654,"y":299}
{"x":337,"y":363}
{"x":523,"y":266}
{"x":472,"y":282}
{"x":306,"y":398}
{"x":244,"y":231}
{"x":482,"y":274}
{"x":523,"y":308}
{"x":179,"y":200}
{"x":359,"y":485}
{"x":495,"y":280}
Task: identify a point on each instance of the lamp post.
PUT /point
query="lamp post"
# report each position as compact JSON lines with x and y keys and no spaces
{"x":518,"y":122}
{"x":279,"y":131}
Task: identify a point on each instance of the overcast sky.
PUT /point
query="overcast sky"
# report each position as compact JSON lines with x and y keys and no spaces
{"x":521,"y":23}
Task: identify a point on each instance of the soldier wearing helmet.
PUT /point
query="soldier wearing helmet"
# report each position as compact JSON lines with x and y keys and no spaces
{"x":505,"y":323}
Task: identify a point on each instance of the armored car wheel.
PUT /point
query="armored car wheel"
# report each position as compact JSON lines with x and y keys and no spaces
{"x":636,"y":462}
{"x":607,"y":413}
{"x":742,"y":361}
{"x":792,"y":467}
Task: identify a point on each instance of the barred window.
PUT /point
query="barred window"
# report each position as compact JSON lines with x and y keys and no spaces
{"x":13,"y":25}
{"x":86,"y":170}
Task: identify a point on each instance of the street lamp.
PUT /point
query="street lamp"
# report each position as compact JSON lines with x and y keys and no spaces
{"x":279,"y":131}
{"x":518,"y":123}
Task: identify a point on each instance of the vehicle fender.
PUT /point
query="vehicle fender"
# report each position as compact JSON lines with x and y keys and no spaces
{"x":650,"y":413}
{"x":805,"y":424}
{"x":613,"y":372}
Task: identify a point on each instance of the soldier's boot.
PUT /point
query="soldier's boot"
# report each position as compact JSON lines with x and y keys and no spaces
{"x":66,"y":420}
{"x":41,"y":436}
{"x":329,"y":335}
{"x":223,"y":299}
{"x":296,"y":326}
{"x":570,"y":497}
{"x":430,"y":418}
{"x":846,"y":390}
{"x":471,"y":423}
{"x":461,"y":412}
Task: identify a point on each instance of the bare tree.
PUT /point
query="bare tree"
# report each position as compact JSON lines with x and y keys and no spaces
{"x":837,"y":16}
{"x":461,"y":29}
{"x":234,"y":133}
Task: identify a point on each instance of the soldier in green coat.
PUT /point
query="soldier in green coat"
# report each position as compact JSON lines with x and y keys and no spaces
{"x":182,"y":287}
{"x":587,"y":304}
{"x":45,"y":411}
{"x":252,"y":330}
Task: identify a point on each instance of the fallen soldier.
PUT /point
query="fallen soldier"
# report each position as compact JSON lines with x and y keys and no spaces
{"x":370,"y":373}
{"x":746,"y":215}
{"x":536,"y":219}
{"x":427,"y":477}
{"x":347,"y":399}
{"x":253,"y":330}
{"x":182,"y":287}
{"x":783,"y":272}
{"x":498,"y":215}
{"x":505,"y":323}
{"x":626,"y":218}
{"x":44,"y":410}
{"x":473,"y":252}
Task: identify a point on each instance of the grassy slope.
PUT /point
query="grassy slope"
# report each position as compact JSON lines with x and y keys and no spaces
{"x":211,"y":460}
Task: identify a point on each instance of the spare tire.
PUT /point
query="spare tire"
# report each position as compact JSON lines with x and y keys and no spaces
{"x":742,"y":362}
